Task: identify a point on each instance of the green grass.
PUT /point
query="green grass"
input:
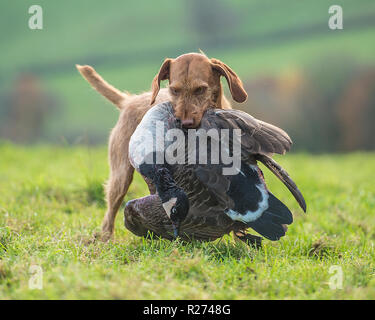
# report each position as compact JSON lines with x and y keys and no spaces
{"x":52,"y":203}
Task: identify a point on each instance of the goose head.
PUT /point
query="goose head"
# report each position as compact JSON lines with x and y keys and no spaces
{"x":174,"y":200}
{"x":176,"y":206}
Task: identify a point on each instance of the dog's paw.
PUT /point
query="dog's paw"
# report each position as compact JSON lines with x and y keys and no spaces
{"x":103,"y":236}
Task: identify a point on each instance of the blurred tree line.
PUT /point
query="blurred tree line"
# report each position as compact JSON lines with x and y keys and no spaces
{"x":24,"y":109}
{"x":327,"y":107}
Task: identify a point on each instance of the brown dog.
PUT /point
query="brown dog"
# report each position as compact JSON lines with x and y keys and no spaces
{"x":194,"y":86}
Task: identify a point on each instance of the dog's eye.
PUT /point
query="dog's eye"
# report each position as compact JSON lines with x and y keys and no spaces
{"x":199,"y":90}
{"x":174,"y":91}
{"x":173,"y":210}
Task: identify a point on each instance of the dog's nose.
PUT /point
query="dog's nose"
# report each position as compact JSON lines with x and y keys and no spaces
{"x":187,"y":123}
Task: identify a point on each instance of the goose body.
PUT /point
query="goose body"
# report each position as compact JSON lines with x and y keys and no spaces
{"x":217,"y":203}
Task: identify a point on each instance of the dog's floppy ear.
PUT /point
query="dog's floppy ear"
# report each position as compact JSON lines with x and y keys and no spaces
{"x":235,"y":84}
{"x":163,"y":74}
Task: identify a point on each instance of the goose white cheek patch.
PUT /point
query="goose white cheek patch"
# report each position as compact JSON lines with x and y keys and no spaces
{"x":169,"y":205}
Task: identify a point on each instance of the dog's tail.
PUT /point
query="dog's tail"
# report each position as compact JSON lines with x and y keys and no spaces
{"x":103,"y":87}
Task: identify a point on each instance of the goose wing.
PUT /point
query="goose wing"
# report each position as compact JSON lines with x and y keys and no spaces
{"x":247,"y":200}
{"x":257,"y":137}
{"x":284,"y":177}
{"x":259,"y":140}
{"x":206,"y":189}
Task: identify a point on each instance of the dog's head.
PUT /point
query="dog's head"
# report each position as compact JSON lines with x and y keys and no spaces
{"x":194,"y":85}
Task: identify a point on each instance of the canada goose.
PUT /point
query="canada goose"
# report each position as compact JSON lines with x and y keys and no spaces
{"x":197,"y":200}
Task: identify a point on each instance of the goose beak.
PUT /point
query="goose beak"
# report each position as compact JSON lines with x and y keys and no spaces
{"x":176,"y":229}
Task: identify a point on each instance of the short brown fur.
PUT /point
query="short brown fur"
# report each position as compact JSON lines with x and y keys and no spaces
{"x":194,"y":86}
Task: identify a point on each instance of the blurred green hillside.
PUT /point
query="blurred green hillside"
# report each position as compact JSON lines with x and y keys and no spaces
{"x":126,"y":42}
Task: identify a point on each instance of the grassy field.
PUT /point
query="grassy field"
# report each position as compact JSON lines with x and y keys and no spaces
{"x":52,"y":202}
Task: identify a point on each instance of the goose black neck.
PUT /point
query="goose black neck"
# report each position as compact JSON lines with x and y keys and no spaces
{"x":162,"y":178}
{"x":165,"y":184}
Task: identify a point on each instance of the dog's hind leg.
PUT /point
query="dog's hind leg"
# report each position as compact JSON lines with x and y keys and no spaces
{"x":116,"y":189}
{"x":120,"y":178}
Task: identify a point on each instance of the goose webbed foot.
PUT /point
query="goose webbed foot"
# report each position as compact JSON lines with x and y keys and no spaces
{"x":249,"y":239}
